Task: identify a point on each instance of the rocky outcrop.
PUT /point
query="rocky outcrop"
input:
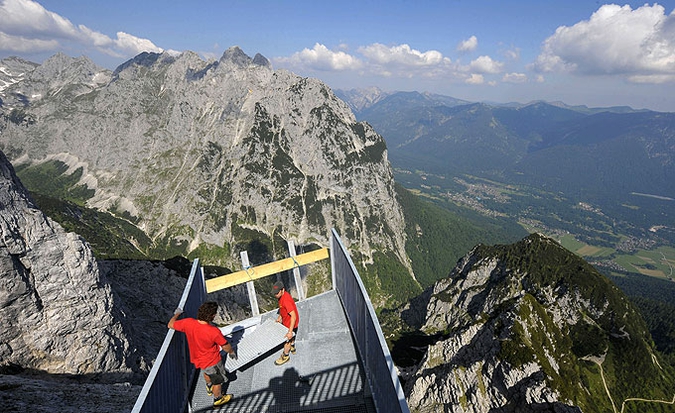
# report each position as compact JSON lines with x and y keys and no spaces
{"x":13,"y":70}
{"x":57,"y":310}
{"x":528,"y":327}
{"x":70,"y":322}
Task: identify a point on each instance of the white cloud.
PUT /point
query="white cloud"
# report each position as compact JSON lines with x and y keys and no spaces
{"x":652,"y":78}
{"x":616,"y":39}
{"x":485,"y":64}
{"x":475,"y":79}
{"x":512,"y":54}
{"x":26,"y":26}
{"x":322,"y":58}
{"x":514,"y":78}
{"x":468,"y":45}
{"x":18,"y":44}
{"x":134,"y":45}
{"x":394,"y":62}
{"x":403,"y":62}
{"x":402,"y":55}
{"x":29,"y":19}
{"x":399,"y":61}
{"x":96,"y":38}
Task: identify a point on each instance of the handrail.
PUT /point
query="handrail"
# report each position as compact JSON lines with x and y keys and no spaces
{"x":380,"y":371}
{"x":167,"y":387}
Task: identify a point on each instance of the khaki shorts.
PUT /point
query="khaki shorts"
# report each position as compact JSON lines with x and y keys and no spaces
{"x":217,"y":373}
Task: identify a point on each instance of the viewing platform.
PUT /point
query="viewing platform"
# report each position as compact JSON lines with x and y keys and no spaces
{"x":325,"y":375}
{"x":342,"y":362}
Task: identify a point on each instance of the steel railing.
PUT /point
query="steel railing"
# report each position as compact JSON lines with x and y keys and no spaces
{"x":379,"y":367}
{"x":167,"y":388}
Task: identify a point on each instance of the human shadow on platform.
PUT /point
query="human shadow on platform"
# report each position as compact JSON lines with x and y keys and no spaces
{"x":335,"y":389}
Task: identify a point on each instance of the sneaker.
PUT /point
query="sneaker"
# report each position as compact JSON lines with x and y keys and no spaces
{"x":209,"y":391}
{"x":223,"y":399}
{"x":293,"y":349}
{"x":282,"y":359}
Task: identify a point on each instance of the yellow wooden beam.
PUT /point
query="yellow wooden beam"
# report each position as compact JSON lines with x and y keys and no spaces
{"x":253,"y":273}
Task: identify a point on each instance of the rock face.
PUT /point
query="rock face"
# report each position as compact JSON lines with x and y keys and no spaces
{"x":70,"y":322}
{"x":528,"y":327}
{"x":13,"y":70}
{"x":56,"y":310}
{"x":204,"y":154}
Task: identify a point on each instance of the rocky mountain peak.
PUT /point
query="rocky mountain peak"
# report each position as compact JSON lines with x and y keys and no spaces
{"x":361,"y":99}
{"x":527,"y":327}
{"x":236,"y":56}
{"x":261,"y":60}
{"x":12,"y":70}
{"x":60,"y":74}
{"x":145,"y":59}
{"x":16,"y":65}
{"x":209,"y":154}
{"x":61,"y":69}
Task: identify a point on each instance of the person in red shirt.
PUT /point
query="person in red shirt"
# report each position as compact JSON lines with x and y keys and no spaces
{"x":205,"y":342}
{"x":288,"y":316}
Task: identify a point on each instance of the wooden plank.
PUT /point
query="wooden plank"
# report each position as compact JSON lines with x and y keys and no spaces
{"x":235,"y":278}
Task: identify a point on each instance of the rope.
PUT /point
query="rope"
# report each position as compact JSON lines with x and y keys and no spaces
{"x":295,"y":262}
{"x":249,"y":274}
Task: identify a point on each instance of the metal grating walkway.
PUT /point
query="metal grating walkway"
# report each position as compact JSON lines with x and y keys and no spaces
{"x":255,"y":343}
{"x":324,"y":376}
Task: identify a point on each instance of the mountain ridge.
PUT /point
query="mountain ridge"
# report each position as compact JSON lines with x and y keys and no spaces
{"x":420,"y":127}
{"x":525,"y":327}
{"x":537,"y":162}
{"x":255,"y":150}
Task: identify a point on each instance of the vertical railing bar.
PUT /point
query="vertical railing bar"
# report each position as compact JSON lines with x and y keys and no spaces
{"x":250,"y":288}
{"x":296,"y":272}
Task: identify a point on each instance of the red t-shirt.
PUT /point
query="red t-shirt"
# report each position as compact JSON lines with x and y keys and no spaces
{"x":286,"y":306}
{"x":204,"y":341}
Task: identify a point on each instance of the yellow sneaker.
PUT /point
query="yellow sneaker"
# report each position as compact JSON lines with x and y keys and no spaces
{"x":223,"y":399}
{"x":282,"y":359}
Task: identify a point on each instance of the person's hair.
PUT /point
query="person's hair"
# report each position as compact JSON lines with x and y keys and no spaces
{"x":207,"y":311}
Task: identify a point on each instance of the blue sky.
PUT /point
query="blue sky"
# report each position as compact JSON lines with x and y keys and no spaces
{"x":578,"y":52}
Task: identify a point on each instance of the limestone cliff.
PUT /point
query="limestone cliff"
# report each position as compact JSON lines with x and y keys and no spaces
{"x":56,"y":309}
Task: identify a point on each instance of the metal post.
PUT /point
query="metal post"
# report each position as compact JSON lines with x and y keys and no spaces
{"x":334,"y":248}
{"x":252,"y":298}
{"x":296,"y":272}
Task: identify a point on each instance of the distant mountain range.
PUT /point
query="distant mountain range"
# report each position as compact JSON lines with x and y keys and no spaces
{"x":363,"y":98}
{"x":539,"y":143}
{"x":599,"y":156}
